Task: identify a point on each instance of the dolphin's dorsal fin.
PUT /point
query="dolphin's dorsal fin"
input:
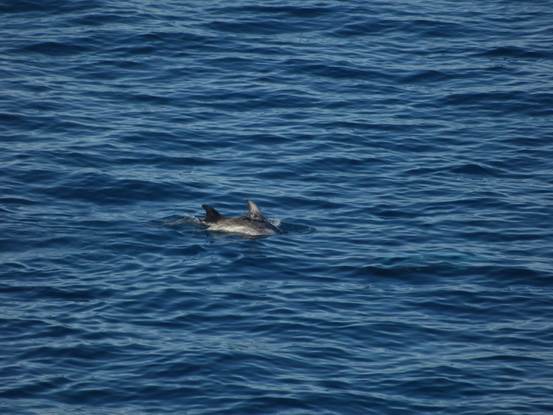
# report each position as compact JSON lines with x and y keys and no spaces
{"x":211,"y":215}
{"x":253,"y":211}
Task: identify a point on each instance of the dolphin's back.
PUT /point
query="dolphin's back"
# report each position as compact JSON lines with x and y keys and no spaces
{"x":252,"y":224}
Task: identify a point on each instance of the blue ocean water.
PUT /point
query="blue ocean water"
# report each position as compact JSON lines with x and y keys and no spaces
{"x":405,"y":147}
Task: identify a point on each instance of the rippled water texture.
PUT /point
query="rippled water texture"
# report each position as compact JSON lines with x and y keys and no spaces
{"x":403,"y":146}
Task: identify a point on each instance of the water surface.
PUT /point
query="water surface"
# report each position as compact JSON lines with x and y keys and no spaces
{"x":404,"y":147}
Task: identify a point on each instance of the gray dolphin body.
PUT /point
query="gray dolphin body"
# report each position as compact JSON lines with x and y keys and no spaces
{"x":252,"y":224}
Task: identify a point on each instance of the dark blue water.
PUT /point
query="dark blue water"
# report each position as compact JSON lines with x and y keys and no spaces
{"x":405,"y":147}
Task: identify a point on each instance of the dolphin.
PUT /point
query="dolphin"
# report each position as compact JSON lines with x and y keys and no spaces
{"x":252,"y":224}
